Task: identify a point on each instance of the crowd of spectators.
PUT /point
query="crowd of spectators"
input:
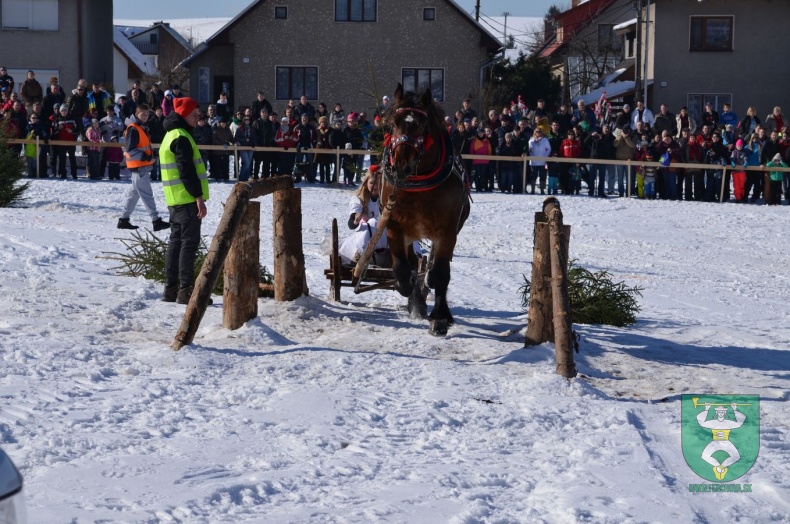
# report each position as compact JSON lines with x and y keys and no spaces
{"x":718,"y":140}
{"x":91,"y":114}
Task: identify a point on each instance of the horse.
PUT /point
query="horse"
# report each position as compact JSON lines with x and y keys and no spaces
{"x":427,"y":195}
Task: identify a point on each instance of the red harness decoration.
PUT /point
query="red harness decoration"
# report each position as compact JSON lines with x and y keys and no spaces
{"x":429,"y":180}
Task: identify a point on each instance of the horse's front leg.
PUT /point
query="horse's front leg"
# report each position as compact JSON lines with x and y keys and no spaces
{"x":438,"y":278}
{"x":401,"y":267}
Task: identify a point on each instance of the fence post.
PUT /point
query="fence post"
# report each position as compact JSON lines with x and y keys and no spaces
{"x":723,"y":181}
{"x":629,"y":167}
{"x":337,"y":166}
{"x":236,"y":161}
{"x":38,"y":167}
{"x":524,"y":174}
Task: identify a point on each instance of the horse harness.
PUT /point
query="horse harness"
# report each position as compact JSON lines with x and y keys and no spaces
{"x":447,"y":164}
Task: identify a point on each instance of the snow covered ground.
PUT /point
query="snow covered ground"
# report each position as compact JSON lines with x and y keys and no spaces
{"x":319,"y":412}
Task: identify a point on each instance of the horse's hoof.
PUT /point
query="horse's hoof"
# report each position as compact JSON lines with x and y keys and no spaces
{"x":418,"y":309}
{"x":439,"y":327}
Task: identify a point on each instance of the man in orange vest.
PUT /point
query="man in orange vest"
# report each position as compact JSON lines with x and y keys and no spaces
{"x":140,"y":162}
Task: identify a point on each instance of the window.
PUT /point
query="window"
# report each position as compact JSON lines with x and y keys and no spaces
{"x":418,"y":80}
{"x":429,"y":14}
{"x":608,"y":41}
{"x":696,"y":103}
{"x":711,"y":33}
{"x":36,"y":15}
{"x":280,"y":12}
{"x":153,"y":38}
{"x":355,"y":10}
{"x":293,"y":82}
{"x":630,"y":45}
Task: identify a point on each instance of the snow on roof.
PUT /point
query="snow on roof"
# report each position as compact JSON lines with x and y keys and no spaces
{"x":190,"y":29}
{"x":144,"y":63}
{"x":624,"y":25}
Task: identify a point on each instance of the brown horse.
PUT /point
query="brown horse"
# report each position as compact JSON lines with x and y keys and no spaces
{"x":427,"y":196}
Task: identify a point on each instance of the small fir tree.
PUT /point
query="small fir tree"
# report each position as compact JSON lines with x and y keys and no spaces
{"x":12,"y":170}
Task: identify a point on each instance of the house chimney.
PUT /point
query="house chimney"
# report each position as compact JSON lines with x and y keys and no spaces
{"x":574,"y":3}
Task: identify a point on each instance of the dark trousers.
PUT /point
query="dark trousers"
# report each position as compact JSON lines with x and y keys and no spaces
{"x":698,"y":177}
{"x":754,"y":179}
{"x":263,"y":167}
{"x":325,"y":172}
{"x":114,"y":171}
{"x":59,"y":160}
{"x":285,"y":163}
{"x":94,"y":164}
{"x":597,"y":172}
{"x":183,"y":246}
{"x":220,"y":167}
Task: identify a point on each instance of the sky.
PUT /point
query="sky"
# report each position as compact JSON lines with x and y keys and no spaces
{"x":324,"y":412}
{"x":229,"y":8}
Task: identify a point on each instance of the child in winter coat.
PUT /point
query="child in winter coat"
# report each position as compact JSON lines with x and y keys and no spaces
{"x":774,"y":178}
{"x":739,"y":160}
{"x":640,"y":154}
{"x":37,"y":128}
{"x":114,"y":159}
{"x":649,"y":177}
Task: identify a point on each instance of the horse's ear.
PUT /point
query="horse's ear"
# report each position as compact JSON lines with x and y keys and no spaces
{"x":398,"y":93}
{"x":427,"y":98}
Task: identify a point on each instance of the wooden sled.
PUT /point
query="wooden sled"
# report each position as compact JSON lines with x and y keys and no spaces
{"x":374,"y":277}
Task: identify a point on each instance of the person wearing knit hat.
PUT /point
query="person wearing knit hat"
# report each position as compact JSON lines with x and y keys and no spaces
{"x":184,"y":106}
{"x":185,"y":184}
{"x":773,"y":181}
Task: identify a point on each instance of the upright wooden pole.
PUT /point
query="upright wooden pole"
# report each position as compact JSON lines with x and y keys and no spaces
{"x":242,"y":271}
{"x":540,"y":329}
{"x":563,"y":329}
{"x":289,"y":275}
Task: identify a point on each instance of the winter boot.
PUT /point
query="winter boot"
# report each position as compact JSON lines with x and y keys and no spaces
{"x":183,"y":295}
{"x":123,"y":223}
{"x":160,"y":224}
{"x":170,"y":294}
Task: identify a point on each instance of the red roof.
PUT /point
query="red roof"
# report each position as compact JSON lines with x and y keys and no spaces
{"x":575,"y":18}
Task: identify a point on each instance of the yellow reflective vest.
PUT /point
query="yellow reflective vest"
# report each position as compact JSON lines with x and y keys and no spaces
{"x":175,"y":192}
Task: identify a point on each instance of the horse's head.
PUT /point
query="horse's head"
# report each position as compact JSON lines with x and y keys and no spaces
{"x":411,"y":120}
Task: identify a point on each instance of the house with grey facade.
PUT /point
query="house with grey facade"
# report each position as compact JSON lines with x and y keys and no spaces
{"x":718,"y":51}
{"x":348,"y":51}
{"x":69,"y":39}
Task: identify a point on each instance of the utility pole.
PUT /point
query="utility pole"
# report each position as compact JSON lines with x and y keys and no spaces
{"x":505,"y":14}
{"x":639,"y":37}
{"x":477,"y":11}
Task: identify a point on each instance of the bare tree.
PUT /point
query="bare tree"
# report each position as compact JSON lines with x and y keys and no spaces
{"x":592,"y":54}
{"x":170,"y":71}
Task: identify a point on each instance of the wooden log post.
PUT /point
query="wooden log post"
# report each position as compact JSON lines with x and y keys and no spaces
{"x":235,"y":207}
{"x":289,"y":275}
{"x":242,"y":271}
{"x":540,"y":328}
{"x":563,"y":329}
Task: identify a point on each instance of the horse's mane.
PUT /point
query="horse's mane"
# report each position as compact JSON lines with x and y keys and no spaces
{"x":412,"y":99}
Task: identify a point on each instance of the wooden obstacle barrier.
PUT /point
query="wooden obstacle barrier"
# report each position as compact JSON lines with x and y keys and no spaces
{"x":235,"y":245}
{"x":549,"y":316}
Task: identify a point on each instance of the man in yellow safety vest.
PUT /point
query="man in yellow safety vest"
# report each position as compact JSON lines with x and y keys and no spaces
{"x":185,"y":183}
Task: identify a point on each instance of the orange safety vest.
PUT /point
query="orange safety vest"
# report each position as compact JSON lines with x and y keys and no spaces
{"x":143,"y":145}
